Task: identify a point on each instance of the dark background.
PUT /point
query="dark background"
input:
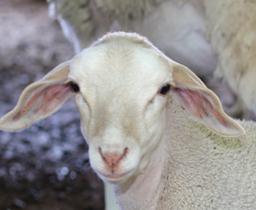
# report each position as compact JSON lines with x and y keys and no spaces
{"x":46,"y":166}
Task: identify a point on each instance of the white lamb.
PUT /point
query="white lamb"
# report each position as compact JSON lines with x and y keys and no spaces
{"x":155,"y":132}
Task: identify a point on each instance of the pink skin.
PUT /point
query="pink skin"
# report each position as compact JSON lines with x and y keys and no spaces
{"x":112,"y":160}
{"x":44,"y":100}
{"x":199,"y":105}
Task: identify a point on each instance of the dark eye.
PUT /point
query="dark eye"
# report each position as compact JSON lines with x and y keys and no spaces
{"x":74,"y":87}
{"x":164,"y":89}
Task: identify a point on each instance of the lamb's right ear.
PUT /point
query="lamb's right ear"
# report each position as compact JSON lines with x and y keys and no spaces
{"x":39,"y":100}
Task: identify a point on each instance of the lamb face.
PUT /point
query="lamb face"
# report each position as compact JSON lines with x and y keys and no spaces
{"x":122,"y":111}
{"x":122,"y":85}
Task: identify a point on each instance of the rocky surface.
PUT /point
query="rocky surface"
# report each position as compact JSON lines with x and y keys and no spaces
{"x":46,"y":166}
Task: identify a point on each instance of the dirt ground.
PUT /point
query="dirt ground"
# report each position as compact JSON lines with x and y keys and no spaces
{"x":46,"y":166}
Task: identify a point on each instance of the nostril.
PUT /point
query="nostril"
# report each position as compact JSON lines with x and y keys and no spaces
{"x":125,"y":151}
{"x":101,"y":154}
{"x":112,"y":159}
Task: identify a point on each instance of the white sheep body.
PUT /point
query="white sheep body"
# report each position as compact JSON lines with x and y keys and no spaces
{"x":205,"y":171}
{"x":197,"y":170}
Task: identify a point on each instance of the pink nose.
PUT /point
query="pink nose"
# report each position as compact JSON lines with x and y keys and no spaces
{"x":112,"y":159}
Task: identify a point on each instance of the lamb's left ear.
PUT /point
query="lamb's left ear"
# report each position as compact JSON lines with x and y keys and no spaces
{"x":39,"y":100}
{"x":203,"y":103}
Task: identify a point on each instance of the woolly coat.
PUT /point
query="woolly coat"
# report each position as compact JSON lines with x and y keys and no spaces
{"x":198,"y":169}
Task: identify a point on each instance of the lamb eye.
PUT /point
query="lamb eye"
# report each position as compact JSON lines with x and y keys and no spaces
{"x":74,"y":87}
{"x":164,"y":89}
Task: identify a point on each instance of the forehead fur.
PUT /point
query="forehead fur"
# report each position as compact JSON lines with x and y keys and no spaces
{"x":132,"y":38}
{"x":119,"y":46}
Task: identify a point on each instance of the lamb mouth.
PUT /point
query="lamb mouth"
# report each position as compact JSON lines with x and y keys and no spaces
{"x":115,"y":177}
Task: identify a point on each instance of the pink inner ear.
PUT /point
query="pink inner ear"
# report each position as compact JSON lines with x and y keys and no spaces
{"x":44,"y":101}
{"x":200,"y":105}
